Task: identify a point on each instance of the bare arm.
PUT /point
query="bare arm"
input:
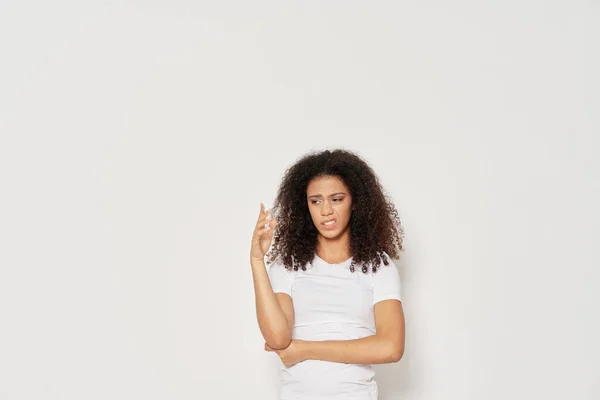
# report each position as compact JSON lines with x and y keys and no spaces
{"x":274,"y":311}
{"x":385,"y":346}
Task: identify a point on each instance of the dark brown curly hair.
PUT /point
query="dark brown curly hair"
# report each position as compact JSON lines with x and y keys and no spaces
{"x":375,"y":228}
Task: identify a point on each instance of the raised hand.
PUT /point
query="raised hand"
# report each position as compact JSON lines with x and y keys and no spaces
{"x":263,"y":234}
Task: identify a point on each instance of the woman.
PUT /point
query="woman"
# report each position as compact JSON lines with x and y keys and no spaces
{"x":330,"y":303}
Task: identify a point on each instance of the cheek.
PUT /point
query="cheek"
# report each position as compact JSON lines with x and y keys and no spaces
{"x":313,"y":213}
{"x":345,"y":210}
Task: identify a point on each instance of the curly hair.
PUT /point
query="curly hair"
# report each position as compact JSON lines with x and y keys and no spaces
{"x":375,"y":228}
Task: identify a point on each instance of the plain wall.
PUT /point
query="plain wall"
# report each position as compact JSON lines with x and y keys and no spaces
{"x":138,"y":139}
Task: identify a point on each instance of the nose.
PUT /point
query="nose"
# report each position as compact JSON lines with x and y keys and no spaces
{"x":326,"y":209}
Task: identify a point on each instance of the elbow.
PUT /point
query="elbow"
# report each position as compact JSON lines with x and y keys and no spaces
{"x":395,"y":353}
{"x":279,"y":340}
{"x":279,"y":344}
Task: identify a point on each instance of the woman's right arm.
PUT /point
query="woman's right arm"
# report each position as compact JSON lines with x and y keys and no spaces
{"x":274,"y":311}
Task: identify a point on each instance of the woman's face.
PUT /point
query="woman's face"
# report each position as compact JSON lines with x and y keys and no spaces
{"x":330,"y":205}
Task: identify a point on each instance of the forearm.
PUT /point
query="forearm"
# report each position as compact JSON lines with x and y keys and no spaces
{"x":272,"y":321}
{"x":374,"y":349}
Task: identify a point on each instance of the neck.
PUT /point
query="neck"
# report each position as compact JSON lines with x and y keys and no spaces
{"x":334,"y":250}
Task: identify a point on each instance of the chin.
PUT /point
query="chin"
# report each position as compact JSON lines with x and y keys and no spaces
{"x":331,"y":234}
{"x":328,"y":235}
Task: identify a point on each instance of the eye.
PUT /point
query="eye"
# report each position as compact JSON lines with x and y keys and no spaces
{"x":337,"y":200}
{"x":314,"y":201}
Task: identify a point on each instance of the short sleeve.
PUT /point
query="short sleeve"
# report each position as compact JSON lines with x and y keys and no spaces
{"x":386,"y":283}
{"x":281,"y":278}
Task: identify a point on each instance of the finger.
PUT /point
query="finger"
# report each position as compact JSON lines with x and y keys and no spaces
{"x":261,"y":229}
{"x":260,"y":213}
{"x":261,"y":221}
{"x":263,"y":211}
{"x":264,"y":221}
{"x":270,"y":232}
{"x":266,"y":212}
{"x":258,"y":234}
{"x":271,"y":227}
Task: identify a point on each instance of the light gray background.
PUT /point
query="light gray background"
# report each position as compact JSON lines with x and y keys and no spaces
{"x":138,"y":139}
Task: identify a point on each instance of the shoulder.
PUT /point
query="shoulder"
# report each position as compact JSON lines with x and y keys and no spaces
{"x":389,"y":271}
{"x":385,"y":259}
{"x":386,"y":282}
{"x":389,"y":259}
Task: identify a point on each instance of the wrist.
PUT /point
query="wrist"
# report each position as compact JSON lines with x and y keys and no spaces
{"x":257,"y":262}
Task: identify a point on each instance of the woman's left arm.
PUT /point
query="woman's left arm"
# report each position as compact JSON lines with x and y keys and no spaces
{"x":385,"y":346}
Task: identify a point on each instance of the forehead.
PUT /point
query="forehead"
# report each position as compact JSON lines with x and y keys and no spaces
{"x":325,"y":185}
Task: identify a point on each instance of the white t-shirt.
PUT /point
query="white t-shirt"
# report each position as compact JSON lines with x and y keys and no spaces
{"x":332,"y":303}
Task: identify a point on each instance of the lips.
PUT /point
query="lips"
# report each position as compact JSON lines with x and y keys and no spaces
{"x":329,"y":224}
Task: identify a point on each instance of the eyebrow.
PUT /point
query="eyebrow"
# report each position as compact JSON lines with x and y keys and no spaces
{"x":331,"y":195}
